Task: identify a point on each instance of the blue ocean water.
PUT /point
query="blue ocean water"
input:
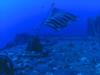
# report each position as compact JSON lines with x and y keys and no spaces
{"x":28,"y":16}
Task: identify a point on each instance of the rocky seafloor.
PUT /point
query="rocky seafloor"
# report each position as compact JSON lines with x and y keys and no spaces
{"x":60,"y":57}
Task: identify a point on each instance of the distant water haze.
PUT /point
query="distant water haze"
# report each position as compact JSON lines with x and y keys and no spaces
{"x":25,"y":16}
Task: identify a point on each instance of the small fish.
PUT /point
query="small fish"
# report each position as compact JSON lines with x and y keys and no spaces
{"x":59,"y":19}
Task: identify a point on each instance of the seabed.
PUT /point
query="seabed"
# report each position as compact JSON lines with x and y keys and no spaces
{"x":60,"y":56}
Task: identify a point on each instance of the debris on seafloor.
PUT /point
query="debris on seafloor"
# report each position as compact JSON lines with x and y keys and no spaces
{"x":59,"y":19}
{"x":22,"y":38}
{"x":90,"y":23}
{"x":6,"y":65}
{"x":19,"y":39}
{"x":34,"y":45}
{"x":94,"y":26}
{"x":97,"y":25}
{"x":91,"y":28}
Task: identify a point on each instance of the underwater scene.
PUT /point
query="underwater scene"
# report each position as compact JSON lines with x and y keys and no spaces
{"x":49,"y":37}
